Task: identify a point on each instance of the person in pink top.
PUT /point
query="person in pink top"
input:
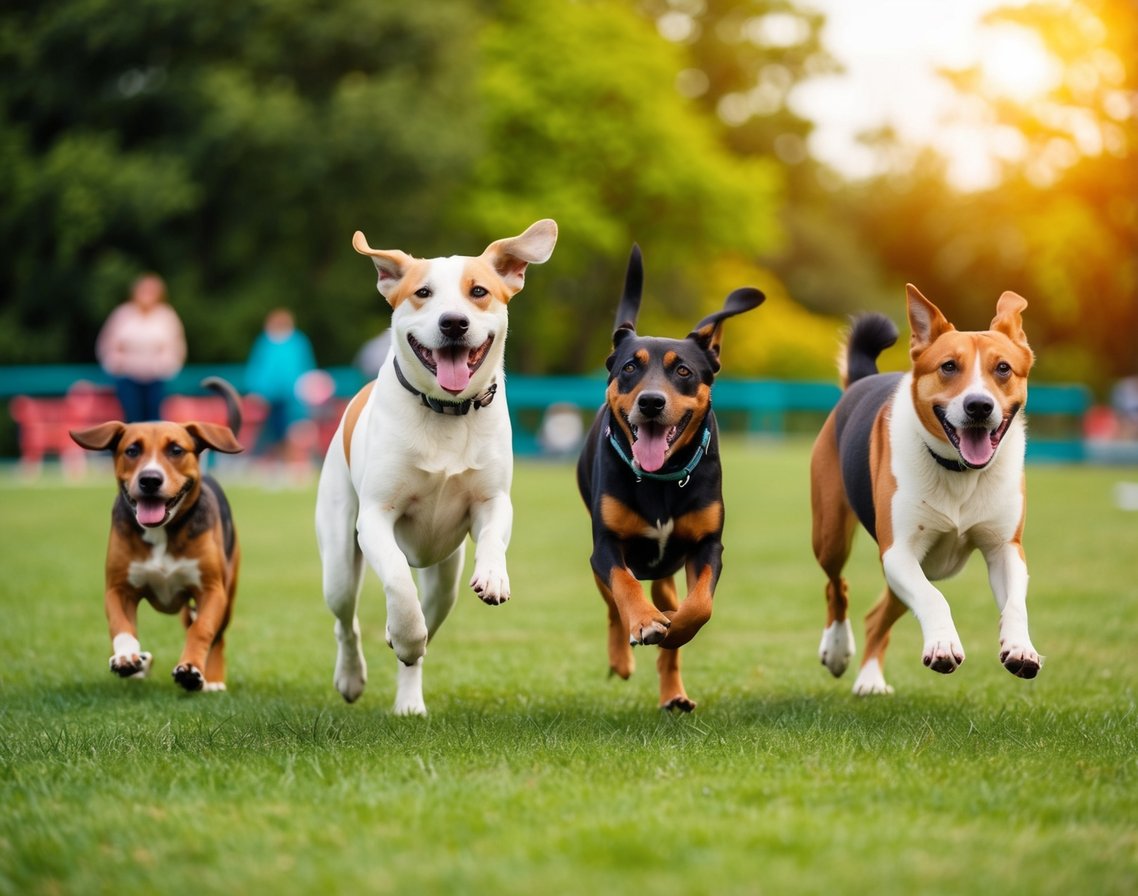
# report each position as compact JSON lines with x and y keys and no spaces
{"x":142,"y":345}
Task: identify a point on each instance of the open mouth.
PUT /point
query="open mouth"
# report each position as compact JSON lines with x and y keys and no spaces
{"x":976,"y":444}
{"x":451,"y":365}
{"x":152,"y":511}
{"x":651,"y":441}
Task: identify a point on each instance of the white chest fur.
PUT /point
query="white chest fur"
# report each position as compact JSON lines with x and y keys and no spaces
{"x":166,"y":577}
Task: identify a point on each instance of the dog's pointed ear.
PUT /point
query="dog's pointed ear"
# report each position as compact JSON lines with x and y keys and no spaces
{"x":212,"y":435}
{"x":391,"y":265}
{"x":629,"y":308}
{"x":510,"y":257}
{"x":99,"y":438}
{"x":926,"y":323}
{"x":708,"y":333}
{"x":1009,"y":317}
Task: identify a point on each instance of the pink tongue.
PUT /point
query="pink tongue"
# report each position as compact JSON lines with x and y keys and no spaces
{"x":976,"y":445}
{"x":150,"y":511}
{"x":650,"y":447}
{"x":452,"y":372}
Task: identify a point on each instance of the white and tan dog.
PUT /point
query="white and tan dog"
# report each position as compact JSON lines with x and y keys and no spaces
{"x":423,"y":455}
{"x":931,"y":463}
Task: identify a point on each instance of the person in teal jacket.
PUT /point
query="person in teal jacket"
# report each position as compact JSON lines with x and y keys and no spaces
{"x":280,"y":356}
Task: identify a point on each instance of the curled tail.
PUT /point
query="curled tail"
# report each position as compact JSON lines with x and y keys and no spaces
{"x":232,"y":400}
{"x":870,"y":335}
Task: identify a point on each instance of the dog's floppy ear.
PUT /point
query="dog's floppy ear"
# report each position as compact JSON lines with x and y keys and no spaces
{"x":510,"y":257}
{"x":391,"y":264}
{"x":1009,"y":317}
{"x":99,"y":438}
{"x":708,"y":333}
{"x":211,"y":435}
{"x":926,"y":323}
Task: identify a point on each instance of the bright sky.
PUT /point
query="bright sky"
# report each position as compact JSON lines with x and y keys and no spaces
{"x":891,"y":50}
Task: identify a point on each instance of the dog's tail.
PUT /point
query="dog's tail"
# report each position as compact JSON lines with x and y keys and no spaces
{"x":232,"y":400}
{"x":869,"y":336}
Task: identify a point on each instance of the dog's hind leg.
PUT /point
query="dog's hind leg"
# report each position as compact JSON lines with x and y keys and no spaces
{"x":672,"y":694}
{"x":343,"y":570}
{"x":878,"y":622}
{"x":834,"y":524}
{"x":438,"y":587}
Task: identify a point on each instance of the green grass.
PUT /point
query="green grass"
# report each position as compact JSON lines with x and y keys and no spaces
{"x":534,"y":771}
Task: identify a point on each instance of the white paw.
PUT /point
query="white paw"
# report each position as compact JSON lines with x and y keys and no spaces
{"x":214,"y":687}
{"x":409,"y":691}
{"x":943,"y":655}
{"x":351,"y":672}
{"x":1021,"y":660}
{"x":409,"y":641}
{"x":491,"y":585}
{"x":131,"y":665}
{"x":837,"y":647}
{"x":871,"y":680}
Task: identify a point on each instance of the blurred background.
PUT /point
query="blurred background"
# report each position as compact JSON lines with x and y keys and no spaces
{"x":826,"y":151}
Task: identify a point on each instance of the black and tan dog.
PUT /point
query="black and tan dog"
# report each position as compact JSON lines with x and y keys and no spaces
{"x":650,"y":475}
{"x":172,"y":540}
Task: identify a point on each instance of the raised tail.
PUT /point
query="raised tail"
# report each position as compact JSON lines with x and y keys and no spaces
{"x":232,"y":400}
{"x":870,"y":335}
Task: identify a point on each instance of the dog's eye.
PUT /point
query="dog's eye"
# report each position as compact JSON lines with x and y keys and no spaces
{"x":133,"y":451}
{"x":630,"y":367}
{"x":1004,"y":369}
{"x":683,"y":371}
{"x":479,"y":292}
{"x":423,"y":292}
{"x":948,"y":368}
{"x":175,"y":450}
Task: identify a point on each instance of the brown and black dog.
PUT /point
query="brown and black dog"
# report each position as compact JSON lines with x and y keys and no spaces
{"x":172,"y":540}
{"x":650,"y":475}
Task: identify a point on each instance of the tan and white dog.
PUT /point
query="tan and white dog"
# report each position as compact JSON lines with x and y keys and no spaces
{"x":423,"y":455}
{"x":931,"y":463}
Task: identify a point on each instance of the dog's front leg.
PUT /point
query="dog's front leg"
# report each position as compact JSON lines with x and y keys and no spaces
{"x":645,"y":623}
{"x":406,"y":626}
{"x":1007,"y":573}
{"x":702,"y":575}
{"x":943,"y":651}
{"x":128,"y":659}
{"x":491,"y":524}
{"x":207,"y":623}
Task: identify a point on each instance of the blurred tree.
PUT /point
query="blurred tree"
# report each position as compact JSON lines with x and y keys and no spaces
{"x":233,"y":147}
{"x":1061,"y":224}
{"x":580,"y":105}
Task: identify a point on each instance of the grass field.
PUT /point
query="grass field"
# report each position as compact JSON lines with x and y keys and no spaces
{"x":534,"y":772}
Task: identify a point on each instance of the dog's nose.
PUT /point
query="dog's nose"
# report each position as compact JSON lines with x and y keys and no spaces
{"x":150,"y":484}
{"x":651,"y":403}
{"x":978,"y":407}
{"x":453,"y":326}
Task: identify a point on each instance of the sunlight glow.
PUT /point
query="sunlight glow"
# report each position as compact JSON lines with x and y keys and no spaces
{"x":1016,"y":65}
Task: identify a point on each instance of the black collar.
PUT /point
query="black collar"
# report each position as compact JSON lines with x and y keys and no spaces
{"x":954,"y":465}
{"x":451,"y":408}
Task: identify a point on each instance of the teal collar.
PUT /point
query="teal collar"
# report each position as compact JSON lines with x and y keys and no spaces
{"x":681,"y":476}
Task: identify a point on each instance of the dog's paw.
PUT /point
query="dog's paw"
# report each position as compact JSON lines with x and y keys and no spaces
{"x":680,"y":702}
{"x":350,"y":676}
{"x":944,"y":655}
{"x":214,"y":687}
{"x":1021,"y":660}
{"x":131,"y":665}
{"x":651,"y":630}
{"x":409,"y":707}
{"x":189,"y":677}
{"x":409,"y":642}
{"x":870,"y":680}
{"x":837,"y":647}
{"x":491,"y":585}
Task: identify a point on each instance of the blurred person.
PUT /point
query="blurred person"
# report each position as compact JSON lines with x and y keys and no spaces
{"x":280,"y":356}
{"x":142,"y":345}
